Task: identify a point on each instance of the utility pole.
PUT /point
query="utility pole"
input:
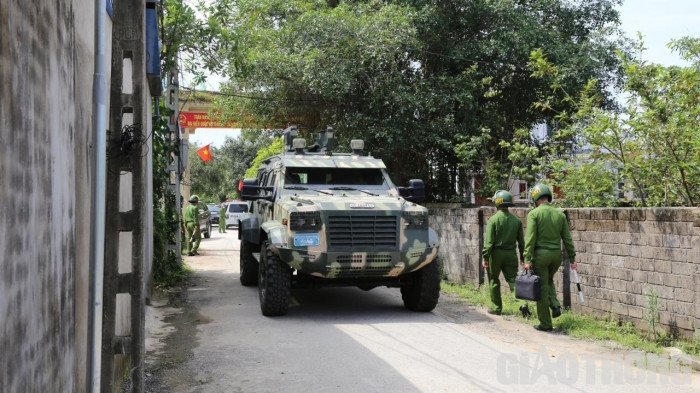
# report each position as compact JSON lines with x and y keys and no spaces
{"x":175,"y":164}
{"x":126,"y":201}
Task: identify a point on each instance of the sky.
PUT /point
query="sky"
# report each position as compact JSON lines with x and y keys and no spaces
{"x":658,"y":21}
{"x":214,"y":136}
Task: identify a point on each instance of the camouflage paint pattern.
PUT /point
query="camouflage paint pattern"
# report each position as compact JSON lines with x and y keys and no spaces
{"x":332,"y":161}
{"x":360,"y":235}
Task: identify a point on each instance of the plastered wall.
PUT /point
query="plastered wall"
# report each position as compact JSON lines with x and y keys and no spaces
{"x":46,"y":69}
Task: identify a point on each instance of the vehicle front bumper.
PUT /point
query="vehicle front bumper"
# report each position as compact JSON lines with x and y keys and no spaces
{"x":357,"y":263}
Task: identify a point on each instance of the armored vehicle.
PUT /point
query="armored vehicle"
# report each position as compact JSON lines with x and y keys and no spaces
{"x":320,"y":218}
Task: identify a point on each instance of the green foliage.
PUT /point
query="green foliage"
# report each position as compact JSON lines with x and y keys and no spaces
{"x":217,"y":179}
{"x":579,"y":326}
{"x":264,"y":152}
{"x":689,"y":345}
{"x":192,"y":42}
{"x":623,"y":332}
{"x":167,"y":267}
{"x":651,"y":312}
{"x":590,"y":184}
{"x":210,"y":180}
{"x":432,"y":87}
{"x":651,"y":146}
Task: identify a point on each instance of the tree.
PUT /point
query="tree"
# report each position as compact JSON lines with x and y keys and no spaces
{"x":651,"y":146}
{"x":243,"y":151}
{"x":208,"y":179}
{"x":174,"y":22}
{"x":432,"y":87}
{"x":275,"y":147}
{"x":217,"y":179}
{"x":664,"y":118}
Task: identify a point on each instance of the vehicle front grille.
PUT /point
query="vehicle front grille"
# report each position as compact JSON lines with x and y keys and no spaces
{"x":362,"y":265}
{"x":363,"y":231}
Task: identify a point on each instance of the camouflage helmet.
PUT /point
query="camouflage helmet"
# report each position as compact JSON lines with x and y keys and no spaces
{"x":540,"y":190}
{"x":502,"y":198}
{"x":194,"y":199}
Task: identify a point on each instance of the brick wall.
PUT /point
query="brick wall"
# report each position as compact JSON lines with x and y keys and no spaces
{"x":625,"y":255}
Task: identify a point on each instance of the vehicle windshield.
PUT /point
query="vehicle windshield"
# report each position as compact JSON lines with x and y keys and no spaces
{"x":356,"y":177}
{"x":213,"y":208}
{"x":238,"y":208}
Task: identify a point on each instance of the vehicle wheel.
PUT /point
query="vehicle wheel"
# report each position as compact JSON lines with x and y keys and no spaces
{"x":423,"y":292}
{"x":274,"y":283}
{"x":207,"y":234}
{"x":249,"y":266}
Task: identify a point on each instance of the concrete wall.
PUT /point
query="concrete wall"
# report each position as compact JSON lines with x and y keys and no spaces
{"x":624,"y":256}
{"x":46,"y":70}
{"x":45,"y":111}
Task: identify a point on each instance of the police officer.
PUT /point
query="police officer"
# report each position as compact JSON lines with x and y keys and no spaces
{"x":503,"y":230}
{"x":193,"y":236}
{"x":546,"y":228}
{"x":222,"y":218}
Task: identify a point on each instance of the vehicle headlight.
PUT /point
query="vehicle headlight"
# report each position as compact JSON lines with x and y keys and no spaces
{"x":415,"y":220}
{"x":305,"y":221}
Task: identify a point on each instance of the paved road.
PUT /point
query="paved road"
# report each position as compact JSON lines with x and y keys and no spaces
{"x":211,"y":337}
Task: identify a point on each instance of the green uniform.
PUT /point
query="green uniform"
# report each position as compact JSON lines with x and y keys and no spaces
{"x":191,"y":218}
{"x":546,"y":228}
{"x":503,"y":230}
{"x":222,"y":218}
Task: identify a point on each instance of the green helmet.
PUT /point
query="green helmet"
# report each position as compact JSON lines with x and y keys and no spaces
{"x":194,"y":199}
{"x":502,"y":198}
{"x":540,"y":190}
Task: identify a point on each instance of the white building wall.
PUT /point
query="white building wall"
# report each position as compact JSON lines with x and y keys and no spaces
{"x":46,"y":92}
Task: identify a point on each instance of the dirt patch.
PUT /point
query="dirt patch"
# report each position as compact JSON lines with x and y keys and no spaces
{"x":171,"y":336}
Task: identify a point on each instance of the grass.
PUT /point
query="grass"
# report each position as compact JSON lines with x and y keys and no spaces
{"x":576,"y":325}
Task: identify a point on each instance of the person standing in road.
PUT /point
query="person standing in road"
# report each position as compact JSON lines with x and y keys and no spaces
{"x":193,"y":235}
{"x":503,"y":230}
{"x":222,"y":218}
{"x":546,"y":228}
{"x":183,"y":231}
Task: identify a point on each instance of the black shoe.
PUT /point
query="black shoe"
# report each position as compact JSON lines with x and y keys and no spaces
{"x":525,"y":310}
{"x":195,"y":253}
{"x":190,"y":254}
{"x":540,"y":328}
{"x":556,"y":312}
{"x":493,"y":312}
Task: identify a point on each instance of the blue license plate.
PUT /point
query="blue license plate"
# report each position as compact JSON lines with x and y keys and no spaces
{"x":305,"y":239}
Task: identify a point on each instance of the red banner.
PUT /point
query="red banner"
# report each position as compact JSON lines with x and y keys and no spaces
{"x":202,"y":120}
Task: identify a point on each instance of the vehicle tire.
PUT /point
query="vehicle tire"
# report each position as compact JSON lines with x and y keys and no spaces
{"x":207,"y":234}
{"x":249,"y":266}
{"x":424,"y":290}
{"x":274,"y":283}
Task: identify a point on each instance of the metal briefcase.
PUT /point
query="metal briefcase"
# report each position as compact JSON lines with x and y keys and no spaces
{"x":527,"y":286}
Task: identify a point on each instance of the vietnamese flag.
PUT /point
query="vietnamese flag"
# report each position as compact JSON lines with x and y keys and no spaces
{"x":204,"y":153}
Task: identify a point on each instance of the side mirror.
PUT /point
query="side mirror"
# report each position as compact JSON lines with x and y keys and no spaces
{"x":415,"y":192}
{"x":251,"y":191}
